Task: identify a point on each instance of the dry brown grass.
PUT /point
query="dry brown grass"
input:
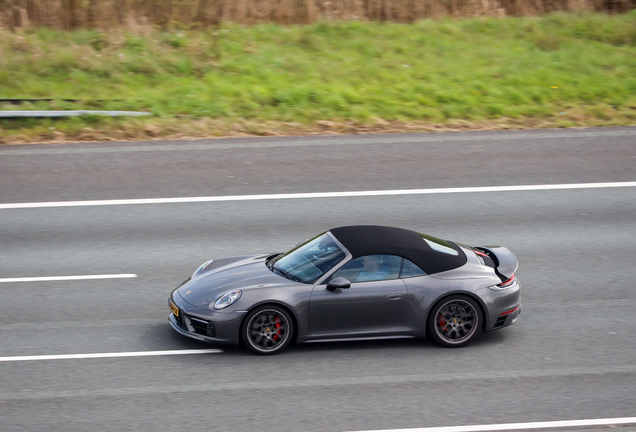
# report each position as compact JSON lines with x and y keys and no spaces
{"x":102,"y":14}
{"x":170,"y":129}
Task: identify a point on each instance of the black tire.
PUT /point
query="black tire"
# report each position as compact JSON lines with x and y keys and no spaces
{"x":267,"y":330}
{"x":454,"y":321}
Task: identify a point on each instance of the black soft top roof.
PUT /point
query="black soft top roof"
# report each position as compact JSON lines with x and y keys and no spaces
{"x":361,"y":240}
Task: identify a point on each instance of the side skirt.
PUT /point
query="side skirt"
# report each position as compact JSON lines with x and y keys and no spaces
{"x":349,"y":339}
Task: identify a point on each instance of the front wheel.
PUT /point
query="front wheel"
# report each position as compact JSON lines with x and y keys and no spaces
{"x":267,"y":330}
{"x":454,"y":321}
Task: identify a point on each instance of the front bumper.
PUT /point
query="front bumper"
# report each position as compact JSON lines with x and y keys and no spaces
{"x":214,"y":327}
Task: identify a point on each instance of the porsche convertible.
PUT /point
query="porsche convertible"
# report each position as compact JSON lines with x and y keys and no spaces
{"x":351,"y":283}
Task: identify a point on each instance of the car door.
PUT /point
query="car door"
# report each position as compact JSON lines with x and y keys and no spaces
{"x":372,"y":302}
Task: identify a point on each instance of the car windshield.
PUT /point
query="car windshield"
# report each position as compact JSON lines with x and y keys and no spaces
{"x":309,"y":260}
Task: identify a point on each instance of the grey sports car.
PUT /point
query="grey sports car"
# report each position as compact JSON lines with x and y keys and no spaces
{"x":351,"y":283}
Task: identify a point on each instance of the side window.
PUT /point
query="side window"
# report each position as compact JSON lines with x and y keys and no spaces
{"x":371,"y":268}
{"x":410,"y":270}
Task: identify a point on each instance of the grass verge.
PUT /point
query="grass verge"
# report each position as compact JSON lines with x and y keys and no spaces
{"x":561,"y":70}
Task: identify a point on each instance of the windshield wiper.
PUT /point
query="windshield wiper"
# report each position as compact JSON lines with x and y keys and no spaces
{"x":287,"y":275}
{"x":271,"y":261}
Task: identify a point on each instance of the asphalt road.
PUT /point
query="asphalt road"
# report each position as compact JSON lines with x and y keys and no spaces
{"x":570,"y":356}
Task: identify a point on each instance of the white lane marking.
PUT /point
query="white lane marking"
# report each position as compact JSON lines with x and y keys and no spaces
{"x":520,"y":426}
{"x":109,"y":355}
{"x":67,"y":278}
{"x":317,"y":195}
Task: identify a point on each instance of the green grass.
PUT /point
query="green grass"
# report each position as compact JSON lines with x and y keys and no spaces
{"x":557,"y":70}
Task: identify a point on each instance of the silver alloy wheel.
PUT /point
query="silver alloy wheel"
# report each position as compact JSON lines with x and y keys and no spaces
{"x":268,"y":330}
{"x":456,"y":321}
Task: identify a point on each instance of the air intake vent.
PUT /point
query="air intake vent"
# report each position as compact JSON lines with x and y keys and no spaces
{"x":500,"y":322}
{"x":203,"y":327}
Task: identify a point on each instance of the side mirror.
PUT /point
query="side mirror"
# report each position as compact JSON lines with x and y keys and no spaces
{"x":338,"y":282}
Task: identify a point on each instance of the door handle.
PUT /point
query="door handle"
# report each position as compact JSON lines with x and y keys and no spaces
{"x":394,"y":296}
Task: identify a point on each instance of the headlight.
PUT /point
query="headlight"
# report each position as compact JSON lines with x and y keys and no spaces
{"x":201,"y":267}
{"x":227,"y":299}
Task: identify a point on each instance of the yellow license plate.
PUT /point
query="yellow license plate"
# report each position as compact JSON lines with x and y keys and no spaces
{"x":174,"y":309}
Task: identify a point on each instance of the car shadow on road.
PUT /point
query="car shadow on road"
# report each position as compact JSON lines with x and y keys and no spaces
{"x":404,"y":346}
{"x":163,"y":337}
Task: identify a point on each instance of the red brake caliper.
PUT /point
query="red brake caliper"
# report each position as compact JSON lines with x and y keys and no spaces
{"x":442,"y":323}
{"x":277,"y":326}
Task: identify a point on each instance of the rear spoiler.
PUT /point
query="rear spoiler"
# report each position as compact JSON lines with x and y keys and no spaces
{"x":505,"y":261}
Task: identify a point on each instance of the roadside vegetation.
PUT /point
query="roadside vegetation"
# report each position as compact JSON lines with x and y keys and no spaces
{"x":558,"y":70}
{"x":107,"y":14}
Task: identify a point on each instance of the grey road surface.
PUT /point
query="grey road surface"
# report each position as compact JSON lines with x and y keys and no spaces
{"x":571,"y":355}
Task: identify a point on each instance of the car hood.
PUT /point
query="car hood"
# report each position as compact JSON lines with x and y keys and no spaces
{"x":238,"y":273}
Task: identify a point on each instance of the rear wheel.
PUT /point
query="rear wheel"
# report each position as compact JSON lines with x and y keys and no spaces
{"x":455,"y":321}
{"x":267,"y":330}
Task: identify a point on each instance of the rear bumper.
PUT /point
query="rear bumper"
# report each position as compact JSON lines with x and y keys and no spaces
{"x":507,"y":318}
{"x":503,"y":306}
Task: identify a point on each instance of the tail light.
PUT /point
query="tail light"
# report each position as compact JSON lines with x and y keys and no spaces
{"x":506,"y":284}
{"x":485,"y":258}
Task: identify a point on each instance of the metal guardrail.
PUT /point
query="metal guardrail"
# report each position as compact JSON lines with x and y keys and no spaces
{"x":57,"y":114}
